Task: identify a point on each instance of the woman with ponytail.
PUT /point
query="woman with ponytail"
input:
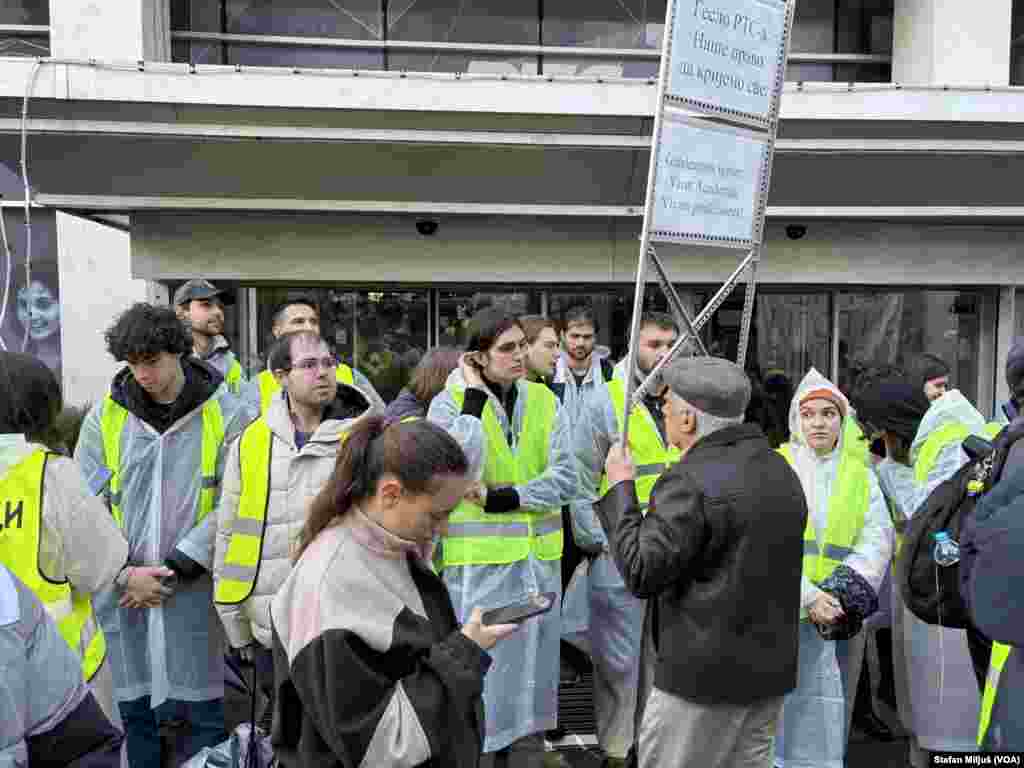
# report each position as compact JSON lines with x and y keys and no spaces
{"x":372,"y":667}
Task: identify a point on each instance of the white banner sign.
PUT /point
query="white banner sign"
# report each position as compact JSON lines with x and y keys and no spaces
{"x":728,"y":56}
{"x":710,"y":183}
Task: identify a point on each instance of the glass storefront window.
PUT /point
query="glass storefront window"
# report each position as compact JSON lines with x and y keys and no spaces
{"x":603,"y":24}
{"x":791,"y":333}
{"x":382,"y":333}
{"x":28,"y":12}
{"x":893,"y":327}
{"x":451,"y":21}
{"x":457,"y":306}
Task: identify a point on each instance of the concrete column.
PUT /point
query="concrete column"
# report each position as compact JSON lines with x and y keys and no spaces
{"x":950,"y":42}
{"x":129,"y":30}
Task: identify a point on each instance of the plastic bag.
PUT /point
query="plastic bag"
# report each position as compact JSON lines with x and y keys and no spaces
{"x":236,"y":753}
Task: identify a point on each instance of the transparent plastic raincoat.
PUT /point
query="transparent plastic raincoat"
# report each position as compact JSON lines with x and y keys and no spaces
{"x":174,"y":651}
{"x":521,"y":686}
{"x":943,"y":692}
{"x":576,"y":395}
{"x":813,"y":730}
{"x":602,"y":616}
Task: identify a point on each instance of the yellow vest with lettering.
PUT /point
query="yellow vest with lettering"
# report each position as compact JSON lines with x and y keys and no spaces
{"x":21,"y":515}
{"x":476,"y":537}
{"x":1000,"y":653}
{"x":650,"y":455}
{"x":269,"y":386}
{"x":112,"y":424}
{"x":847,"y":510}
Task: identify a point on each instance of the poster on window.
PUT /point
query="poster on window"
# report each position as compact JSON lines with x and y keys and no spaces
{"x":30,"y":309}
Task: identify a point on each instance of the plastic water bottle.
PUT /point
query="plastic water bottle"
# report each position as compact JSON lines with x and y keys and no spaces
{"x":946,"y":551}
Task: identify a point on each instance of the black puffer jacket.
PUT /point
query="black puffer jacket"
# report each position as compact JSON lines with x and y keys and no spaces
{"x":720,"y":555}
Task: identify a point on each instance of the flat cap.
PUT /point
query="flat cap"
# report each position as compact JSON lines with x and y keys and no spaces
{"x":711,"y":384}
{"x":197,"y":289}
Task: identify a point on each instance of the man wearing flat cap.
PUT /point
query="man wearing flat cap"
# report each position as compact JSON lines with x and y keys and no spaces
{"x":718,"y":557}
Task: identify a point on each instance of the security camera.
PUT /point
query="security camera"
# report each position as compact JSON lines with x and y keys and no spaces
{"x":795,"y":231}
{"x":426,"y":227}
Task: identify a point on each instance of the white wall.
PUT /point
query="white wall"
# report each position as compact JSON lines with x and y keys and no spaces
{"x":485,"y":249}
{"x":951,"y":42}
{"x":95,"y":285}
{"x":129,"y":30}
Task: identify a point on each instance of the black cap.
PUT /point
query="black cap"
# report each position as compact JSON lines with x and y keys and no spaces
{"x":200,"y":289}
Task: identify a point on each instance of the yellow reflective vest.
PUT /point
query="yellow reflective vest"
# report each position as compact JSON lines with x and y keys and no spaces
{"x":112,"y":424}
{"x":233,"y":377}
{"x":241,"y":567}
{"x":847,"y":510}
{"x":651,"y":457}
{"x":269,"y":386}
{"x":21,"y":515}
{"x":1000,"y":653}
{"x":476,"y":537}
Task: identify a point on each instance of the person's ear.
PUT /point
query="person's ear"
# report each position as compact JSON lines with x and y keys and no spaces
{"x":282,"y":377}
{"x":689,"y":422}
{"x":180,"y":312}
{"x":389,"y":491}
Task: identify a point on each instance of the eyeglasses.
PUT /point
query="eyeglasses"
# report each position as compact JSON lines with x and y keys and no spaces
{"x":311,"y":364}
{"x":509,"y":347}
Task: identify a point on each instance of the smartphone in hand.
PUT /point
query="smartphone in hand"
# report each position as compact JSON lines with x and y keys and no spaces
{"x":515,"y":613}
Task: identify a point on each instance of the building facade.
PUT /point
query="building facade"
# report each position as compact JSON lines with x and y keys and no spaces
{"x":410,"y":161}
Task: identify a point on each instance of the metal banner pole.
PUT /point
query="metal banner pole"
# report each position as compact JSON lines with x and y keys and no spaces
{"x":682,"y":316}
{"x":698,"y":323}
{"x":748,"y":311}
{"x":645,"y":230}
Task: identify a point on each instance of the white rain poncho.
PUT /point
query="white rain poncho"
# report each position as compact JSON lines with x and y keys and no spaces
{"x":812,"y":732}
{"x":79,"y":542}
{"x":603,"y":617}
{"x":576,"y":394}
{"x":944,"y":698}
{"x":521,"y":686}
{"x":174,"y":651}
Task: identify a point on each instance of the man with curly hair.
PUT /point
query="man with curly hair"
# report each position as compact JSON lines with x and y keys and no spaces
{"x":159,"y":439}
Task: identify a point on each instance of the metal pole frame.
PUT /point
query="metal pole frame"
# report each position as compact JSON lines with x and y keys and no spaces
{"x":635,"y":392}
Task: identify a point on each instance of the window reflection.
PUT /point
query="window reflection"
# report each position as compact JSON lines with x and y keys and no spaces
{"x":456,"y":307}
{"x":28,"y":12}
{"x":603,"y":24}
{"x":893,"y":327}
{"x":382,"y":333}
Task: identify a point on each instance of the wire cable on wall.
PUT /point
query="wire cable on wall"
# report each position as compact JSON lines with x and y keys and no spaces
{"x":28,"y":192}
{"x":9,"y":261}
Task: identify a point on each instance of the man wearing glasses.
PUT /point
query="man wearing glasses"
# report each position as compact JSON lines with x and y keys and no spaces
{"x":274,"y":470}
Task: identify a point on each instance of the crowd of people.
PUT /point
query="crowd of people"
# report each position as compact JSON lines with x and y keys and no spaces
{"x":720,"y":573}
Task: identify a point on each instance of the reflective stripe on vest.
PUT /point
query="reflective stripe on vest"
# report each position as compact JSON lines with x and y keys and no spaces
{"x":476,"y":537}
{"x":269,"y":385}
{"x":650,"y":456}
{"x":1000,"y":653}
{"x":847,"y":509}
{"x":21,"y":514}
{"x":237,"y":577}
{"x":112,"y":423}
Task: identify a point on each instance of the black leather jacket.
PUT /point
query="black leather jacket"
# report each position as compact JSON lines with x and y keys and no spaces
{"x":719,"y":554}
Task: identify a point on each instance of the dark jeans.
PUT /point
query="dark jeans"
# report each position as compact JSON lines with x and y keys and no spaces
{"x":263,"y":663}
{"x":204,"y":728}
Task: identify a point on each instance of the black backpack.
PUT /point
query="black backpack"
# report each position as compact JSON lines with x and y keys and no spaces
{"x":930,"y":592}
